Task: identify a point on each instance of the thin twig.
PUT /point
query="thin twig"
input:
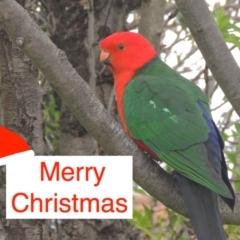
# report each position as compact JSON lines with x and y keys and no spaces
{"x":206,"y":78}
{"x":91,"y":57}
{"x":91,"y":47}
{"x":172,"y":15}
{"x":108,"y":13}
{"x":229,"y":115}
{"x":105,"y":23}
{"x":111,"y":101}
{"x":235,"y":180}
{"x":181,"y":61}
{"x":196,"y":78}
{"x":213,"y":109}
{"x":45,"y":5}
{"x":214,"y":89}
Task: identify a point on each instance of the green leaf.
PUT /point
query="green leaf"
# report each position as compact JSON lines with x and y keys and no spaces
{"x":232,"y":157}
{"x":237,"y":126}
{"x":227,"y":27}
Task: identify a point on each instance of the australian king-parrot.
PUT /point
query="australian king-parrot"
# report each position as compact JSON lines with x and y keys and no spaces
{"x":168,"y":116}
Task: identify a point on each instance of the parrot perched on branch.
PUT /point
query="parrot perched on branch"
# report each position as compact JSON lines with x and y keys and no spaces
{"x":169,"y":117}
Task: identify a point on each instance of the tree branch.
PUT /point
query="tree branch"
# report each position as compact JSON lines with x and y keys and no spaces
{"x":151,"y":21}
{"x":86,"y":107}
{"x":213,"y":48}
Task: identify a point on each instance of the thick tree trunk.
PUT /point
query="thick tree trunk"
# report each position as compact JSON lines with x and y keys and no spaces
{"x":22,"y":113}
{"x":21,"y":95}
{"x":151,"y":22}
{"x":99,"y":230}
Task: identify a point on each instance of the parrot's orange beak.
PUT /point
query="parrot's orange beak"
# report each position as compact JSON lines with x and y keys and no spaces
{"x":105,"y":57}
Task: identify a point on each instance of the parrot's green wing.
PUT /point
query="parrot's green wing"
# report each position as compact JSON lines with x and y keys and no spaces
{"x":161,"y":108}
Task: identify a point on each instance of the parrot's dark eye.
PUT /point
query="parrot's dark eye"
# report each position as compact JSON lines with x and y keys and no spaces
{"x":120,"y":46}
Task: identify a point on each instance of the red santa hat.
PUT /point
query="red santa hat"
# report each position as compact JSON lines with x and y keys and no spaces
{"x":11,"y":143}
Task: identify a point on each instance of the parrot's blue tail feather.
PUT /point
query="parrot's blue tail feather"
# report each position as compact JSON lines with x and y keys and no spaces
{"x":214,"y":146}
{"x":202,"y":207}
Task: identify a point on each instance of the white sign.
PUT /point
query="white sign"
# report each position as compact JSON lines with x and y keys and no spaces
{"x":79,"y":187}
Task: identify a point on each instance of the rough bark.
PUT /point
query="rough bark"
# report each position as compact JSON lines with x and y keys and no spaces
{"x":78,"y":97}
{"x":1,"y":109}
{"x":22,"y":113}
{"x":21,"y":95}
{"x":28,"y":230}
{"x":99,"y":230}
{"x":2,"y":201}
{"x":213,"y":48}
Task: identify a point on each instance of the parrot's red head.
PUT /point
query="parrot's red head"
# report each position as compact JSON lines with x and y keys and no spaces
{"x":126,"y":52}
